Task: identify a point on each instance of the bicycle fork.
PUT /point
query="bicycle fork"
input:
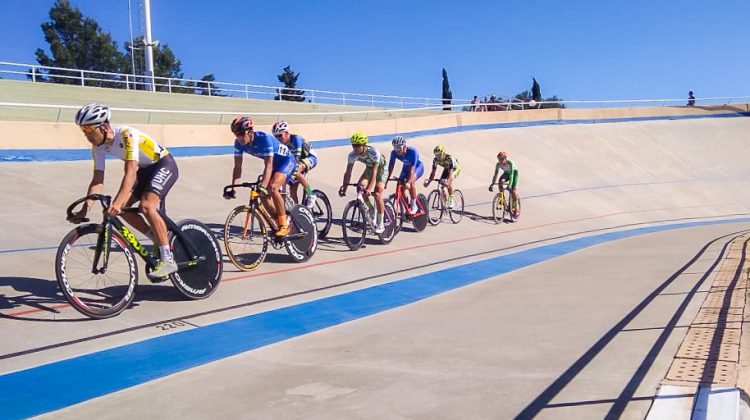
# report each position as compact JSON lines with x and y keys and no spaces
{"x":103,"y":245}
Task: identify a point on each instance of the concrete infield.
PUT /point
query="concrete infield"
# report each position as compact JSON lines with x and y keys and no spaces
{"x":582,"y":332}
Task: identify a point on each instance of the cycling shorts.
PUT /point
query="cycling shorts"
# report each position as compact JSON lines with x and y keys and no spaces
{"x":447,"y":171}
{"x":506,"y":177}
{"x":157,"y":178}
{"x":405,"y":172}
{"x":309,"y":162}
{"x":381,"y":176}
{"x":287,"y":166}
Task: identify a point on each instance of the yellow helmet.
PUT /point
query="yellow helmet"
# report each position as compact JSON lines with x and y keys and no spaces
{"x":358,"y":138}
{"x":438,"y":150}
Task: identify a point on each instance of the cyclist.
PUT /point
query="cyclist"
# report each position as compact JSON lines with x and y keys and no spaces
{"x":411,"y":171}
{"x":306,"y":158}
{"x":150,"y":172}
{"x":510,"y":176}
{"x":372,"y":179}
{"x":280,"y":166}
{"x":451,"y":169}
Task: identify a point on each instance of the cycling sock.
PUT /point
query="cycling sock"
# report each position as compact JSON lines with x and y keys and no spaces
{"x":309,"y":190}
{"x":380,"y":218}
{"x":165,"y":253}
{"x":413,"y":201}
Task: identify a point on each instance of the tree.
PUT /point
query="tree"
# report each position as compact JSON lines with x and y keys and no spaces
{"x":78,"y":42}
{"x":536,"y":91}
{"x":205,"y":87}
{"x":288,"y":92}
{"x":447,"y":94}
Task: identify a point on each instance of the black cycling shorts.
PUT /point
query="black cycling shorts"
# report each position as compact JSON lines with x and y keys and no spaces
{"x":157,"y":178}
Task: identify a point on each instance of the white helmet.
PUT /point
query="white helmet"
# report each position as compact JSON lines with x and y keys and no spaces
{"x":280,"y":128}
{"x":93,"y":114}
{"x":398,"y":141}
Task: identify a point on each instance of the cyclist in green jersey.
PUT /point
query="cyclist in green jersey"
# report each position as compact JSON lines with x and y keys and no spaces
{"x":373,"y":178}
{"x":451,"y":169}
{"x":510,"y":176}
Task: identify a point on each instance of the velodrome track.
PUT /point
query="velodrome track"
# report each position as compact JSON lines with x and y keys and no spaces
{"x":565,"y":314}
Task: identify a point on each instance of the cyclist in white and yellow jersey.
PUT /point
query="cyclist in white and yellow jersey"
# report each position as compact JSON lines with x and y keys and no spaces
{"x":451,"y":169}
{"x":150,"y":172}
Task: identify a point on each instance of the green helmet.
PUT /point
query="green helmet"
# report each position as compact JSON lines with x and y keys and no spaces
{"x":358,"y":138}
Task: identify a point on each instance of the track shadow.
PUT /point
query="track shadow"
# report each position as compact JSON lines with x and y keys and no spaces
{"x":627,"y":395}
{"x":34,"y":293}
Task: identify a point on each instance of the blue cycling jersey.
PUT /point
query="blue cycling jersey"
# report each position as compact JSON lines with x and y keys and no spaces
{"x":263,"y":145}
{"x":410,"y":158}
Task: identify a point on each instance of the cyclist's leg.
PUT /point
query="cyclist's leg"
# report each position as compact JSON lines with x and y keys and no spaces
{"x":277,"y":180}
{"x":514,"y":192}
{"x":164,"y":176}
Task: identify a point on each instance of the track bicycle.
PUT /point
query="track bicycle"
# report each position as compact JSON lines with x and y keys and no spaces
{"x":438,"y":204}
{"x":249,"y":229}
{"x":98,"y":274}
{"x":359,"y":219}
{"x":401,"y":206}
{"x":502,"y":208}
{"x":321,"y":210}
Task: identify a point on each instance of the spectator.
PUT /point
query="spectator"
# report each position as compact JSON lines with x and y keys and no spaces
{"x":474,"y":104}
{"x":691,"y":99}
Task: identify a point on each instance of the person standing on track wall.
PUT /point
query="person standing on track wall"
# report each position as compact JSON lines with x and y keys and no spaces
{"x":451,"y":169}
{"x":373,"y":177}
{"x":306,"y":158}
{"x":510,"y":176}
{"x":280,"y":166}
{"x":150,"y":172}
{"x":411,"y":171}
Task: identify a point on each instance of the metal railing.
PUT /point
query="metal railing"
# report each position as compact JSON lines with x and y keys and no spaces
{"x":37,"y":73}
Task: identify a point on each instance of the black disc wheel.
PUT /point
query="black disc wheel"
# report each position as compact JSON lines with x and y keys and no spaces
{"x":199,"y":275}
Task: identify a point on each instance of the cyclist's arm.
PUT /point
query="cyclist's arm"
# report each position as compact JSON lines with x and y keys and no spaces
{"x":237,"y":171}
{"x":95,"y":187}
{"x":128,"y":180}
{"x":348,"y":173}
{"x":391,"y":162}
{"x":494,"y":177}
{"x":267,"y":171}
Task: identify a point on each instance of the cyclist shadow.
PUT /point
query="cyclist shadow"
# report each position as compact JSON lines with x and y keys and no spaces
{"x":217,"y":230}
{"x":34,"y":293}
{"x":481,"y":219}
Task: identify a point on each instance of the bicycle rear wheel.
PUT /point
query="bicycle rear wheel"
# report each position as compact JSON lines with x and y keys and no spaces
{"x":245,"y":238}
{"x":457,"y":212}
{"x":302,"y":228}
{"x":353,"y":225}
{"x":96,"y":295}
{"x":389,"y":221}
{"x":436,"y":208}
{"x":200,"y":280}
{"x":420,"y":222}
{"x":498,"y":207}
{"x":322,"y":213}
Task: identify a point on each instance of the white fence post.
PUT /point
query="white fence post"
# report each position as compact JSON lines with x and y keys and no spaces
{"x":169,"y":82}
{"x":82,"y":81}
{"x":247,"y":95}
{"x":343,"y":98}
{"x":312,"y":94}
{"x":33,"y":74}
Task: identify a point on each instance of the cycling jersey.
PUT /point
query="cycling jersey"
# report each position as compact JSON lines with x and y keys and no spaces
{"x":410,"y":158}
{"x":265,"y":145}
{"x":370,"y":158}
{"x":510,"y":172}
{"x":129,"y":144}
{"x":300,"y":147}
{"x":448,"y":162}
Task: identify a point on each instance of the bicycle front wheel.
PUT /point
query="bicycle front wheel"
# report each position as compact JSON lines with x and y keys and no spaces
{"x":457,"y":211}
{"x":94,"y":291}
{"x":322,"y":213}
{"x":389,"y":221}
{"x":436,"y":208}
{"x":498,"y":207}
{"x":353,"y":225}
{"x":201,"y":278}
{"x":245,"y":238}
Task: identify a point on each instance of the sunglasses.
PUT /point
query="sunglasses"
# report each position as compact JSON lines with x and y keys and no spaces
{"x":89,"y":128}
{"x":242,"y":133}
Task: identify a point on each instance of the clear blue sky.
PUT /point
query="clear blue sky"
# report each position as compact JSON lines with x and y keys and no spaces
{"x":577,"y":49}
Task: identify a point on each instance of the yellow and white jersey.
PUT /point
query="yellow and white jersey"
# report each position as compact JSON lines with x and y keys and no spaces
{"x":129,"y":144}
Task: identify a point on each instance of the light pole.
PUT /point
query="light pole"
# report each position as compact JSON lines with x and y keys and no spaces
{"x":148,"y":44}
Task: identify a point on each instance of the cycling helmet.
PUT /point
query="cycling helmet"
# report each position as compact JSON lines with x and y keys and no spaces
{"x":93,"y":114}
{"x":398,"y":141}
{"x":438,"y":150}
{"x":241,"y":125}
{"x":502,"y":155}
{"x":280,"y":127}
{"x":358,"y":138}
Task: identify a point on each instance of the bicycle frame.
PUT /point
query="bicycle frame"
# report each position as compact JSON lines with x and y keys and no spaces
{"x":401,"y":201}
{"x":256,"y":203}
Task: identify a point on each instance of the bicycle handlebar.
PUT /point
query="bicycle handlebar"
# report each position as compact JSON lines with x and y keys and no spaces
{"x":252,"y":185}
{"x":106,"y":200}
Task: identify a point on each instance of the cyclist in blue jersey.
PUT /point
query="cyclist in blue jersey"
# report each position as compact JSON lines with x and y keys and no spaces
{"x":305,"y":155}
{"x":411,"y":171}
{"x":280,"y":166}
